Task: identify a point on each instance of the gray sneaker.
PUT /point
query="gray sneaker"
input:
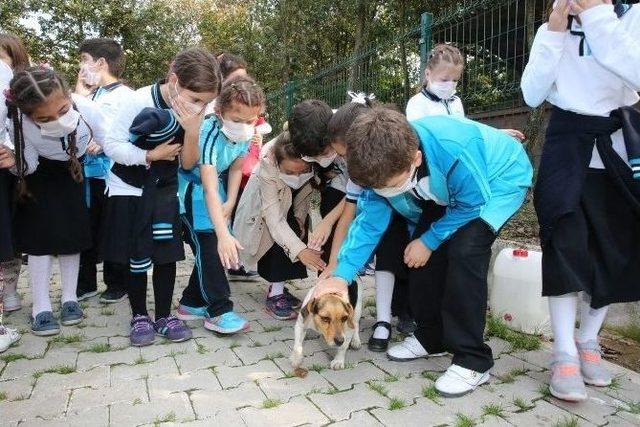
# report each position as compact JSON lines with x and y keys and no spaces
{"x":566,"y":380}
{"x":44,"y":324}
{"x":71,"y":313}
{"x":591,"y":366}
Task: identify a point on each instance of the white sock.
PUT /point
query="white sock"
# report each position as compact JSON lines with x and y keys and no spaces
{"x":69,"y":268}
{"x":591,"y":319}
{"x":39,"y":275}
{"x":563,"y":322}
{"x":277,"y":288}
{"x":11,"y":273}
{"x":384,"y":293}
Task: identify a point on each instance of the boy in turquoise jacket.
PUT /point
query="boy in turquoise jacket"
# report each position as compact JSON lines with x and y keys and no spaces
{"x":457,"y":182}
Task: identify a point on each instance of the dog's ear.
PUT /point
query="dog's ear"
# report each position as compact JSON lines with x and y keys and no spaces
{"x":311,"y":307}
{"x":350,"y":313}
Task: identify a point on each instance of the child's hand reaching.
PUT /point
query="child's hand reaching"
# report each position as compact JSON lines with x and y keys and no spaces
{"x":165,"y":151}
{"x":416,"y":254}
{"x":319,"y":236}
{"x":514,"y":133}
{"x":7,"y":158}
{"x":559,"y":18}
{"x":311,"y":258}
{"x":579,"y":6}
{"x":228,"y":250}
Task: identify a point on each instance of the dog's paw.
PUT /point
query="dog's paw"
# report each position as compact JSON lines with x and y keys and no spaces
{"x":355,"y":342}
{"x":337,"y":364}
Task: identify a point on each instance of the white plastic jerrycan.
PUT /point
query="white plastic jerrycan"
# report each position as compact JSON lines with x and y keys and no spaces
{"x":516,"y":295}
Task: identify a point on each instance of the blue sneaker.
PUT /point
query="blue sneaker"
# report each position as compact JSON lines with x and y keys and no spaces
{"x":71,"y":313}
{"x":184,"y":312}
{"x":227,"y":323}
{"x":44,"y":324}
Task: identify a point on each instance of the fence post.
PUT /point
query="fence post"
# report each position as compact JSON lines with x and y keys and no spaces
{"x":426,"y":20}
{"x":289,"y":90}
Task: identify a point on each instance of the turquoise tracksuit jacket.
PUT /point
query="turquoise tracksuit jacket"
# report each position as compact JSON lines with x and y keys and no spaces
{"x":475,"y":170}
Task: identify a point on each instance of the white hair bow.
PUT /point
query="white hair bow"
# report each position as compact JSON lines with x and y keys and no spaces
{"x":360,"y":97}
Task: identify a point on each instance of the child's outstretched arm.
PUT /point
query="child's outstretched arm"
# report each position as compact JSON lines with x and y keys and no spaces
{"x":541,"y":72}
{"x":227,"y":244}
{"x":321,"y":233}
{"x":233,"y":187}
{"x":614,"y":47}
{"x":342,"y":228}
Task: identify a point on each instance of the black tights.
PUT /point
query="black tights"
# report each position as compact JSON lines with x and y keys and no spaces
{"x":164,"y":279}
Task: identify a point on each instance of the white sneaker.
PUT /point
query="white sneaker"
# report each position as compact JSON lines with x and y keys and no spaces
{"x":12,"y":302}
{"x":8,"y":337}
{"x":458,"y":381}
{"x":409,"y":349}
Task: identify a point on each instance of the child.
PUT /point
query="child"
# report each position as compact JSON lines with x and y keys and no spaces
{"x":586,"y":62}
{"x":481,"y":176}
{"x":51,"y":130}
{"x":207,"y":203}
{"x":389,"y":263}
{"x":438,"y":94}
{"x":193,"y":81}
{"x":272,"y":223}
{"x":101,"y":63}
{"x":12,"y":56}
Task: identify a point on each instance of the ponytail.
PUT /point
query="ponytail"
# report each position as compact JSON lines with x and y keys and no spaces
{"x":18,"y":142}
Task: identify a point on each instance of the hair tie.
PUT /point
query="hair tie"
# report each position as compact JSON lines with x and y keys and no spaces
{"x":8,"y":95}
{"x":360,"y":97}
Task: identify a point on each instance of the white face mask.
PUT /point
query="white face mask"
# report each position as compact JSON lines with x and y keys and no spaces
{"x":324,"y":161}
{"x":90,"y":77}
{"x":63,"y":126}
{"x":192,"y":108}
{"x":443,"y":90}
{"x":389,"y":192}
{"x":296,"y":181}
{"x":237,"y":132}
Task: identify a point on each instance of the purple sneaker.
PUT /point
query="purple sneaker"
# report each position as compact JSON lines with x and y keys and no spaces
{"x":173,"y":329}
{"x":142,"y":332}
{"x":293,"y":300}
{"x":280,"y":307}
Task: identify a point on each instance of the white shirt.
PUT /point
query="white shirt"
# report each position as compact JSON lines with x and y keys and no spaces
{"x":420,"y":106}
{"x":117,"y":146}
{"x":606,"y":78}
{"x":6,"y":73}
{"x":35,"y":145}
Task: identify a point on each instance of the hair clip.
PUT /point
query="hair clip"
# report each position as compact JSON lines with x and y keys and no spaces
{"x":360,"y":97}
{"x":8,"y":95}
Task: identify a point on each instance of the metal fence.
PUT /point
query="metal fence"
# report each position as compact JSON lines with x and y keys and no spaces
{"x":494,"y":36}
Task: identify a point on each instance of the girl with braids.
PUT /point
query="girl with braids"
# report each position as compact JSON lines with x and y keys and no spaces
{"x":13,"y":55}
{"x":50,"y":129}
{"x":193,"y":81}
{"x":208,"y":195}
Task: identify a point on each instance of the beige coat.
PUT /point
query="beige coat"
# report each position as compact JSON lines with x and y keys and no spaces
{"x":261,"y":216}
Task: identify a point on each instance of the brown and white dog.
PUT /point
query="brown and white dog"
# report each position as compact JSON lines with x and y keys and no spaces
{"x":335,"y":318}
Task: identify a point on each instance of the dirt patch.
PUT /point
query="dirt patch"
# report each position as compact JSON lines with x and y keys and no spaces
{"x":621,"y":351}
{"x":523,"y":227}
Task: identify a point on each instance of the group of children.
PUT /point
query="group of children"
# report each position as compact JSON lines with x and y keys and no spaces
{"x":127,"y":177}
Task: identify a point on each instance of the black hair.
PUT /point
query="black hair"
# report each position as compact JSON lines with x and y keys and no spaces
{"x":230,"y":63}
{"x":342,"y":119}
{"x":308,"y":127}
{"x":108,"y":49}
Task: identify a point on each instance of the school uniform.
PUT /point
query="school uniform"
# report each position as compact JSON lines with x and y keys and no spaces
{"x":587,"y":195}
{"x":96,"y":170}
{"x":208,"y":284}
{"x":477,"y":179}
{"x":272,"y":222}
{"x":7,"y":180}
{"x":426,"y":103}
{"x":142,"y":224}
{"x":55,"y":219}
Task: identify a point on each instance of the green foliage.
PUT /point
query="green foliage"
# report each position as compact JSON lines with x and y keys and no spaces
{"x":519,"y":341}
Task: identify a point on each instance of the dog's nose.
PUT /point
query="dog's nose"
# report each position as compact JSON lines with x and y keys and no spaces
{"x":338,"y":340}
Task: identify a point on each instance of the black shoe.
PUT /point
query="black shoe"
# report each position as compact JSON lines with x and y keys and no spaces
{"x":379,"y":345}
{"x":241,"y":273}
{"x":112,"y":295}
{"x":84,"y":294}
{"x":406,"y":326}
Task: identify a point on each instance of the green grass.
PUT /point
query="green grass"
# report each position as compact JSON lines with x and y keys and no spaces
{"x":544,"y":391}
{"x":19,"y":398}
{"x":369,"y":302}
{"x":174,"y":353}
{"x":107,"y":311}
{"x":60,"y":369}
{"x":494,"y":410}
{"x":511,"y":376}
{"x":431,"y":393}
{"x":396,"y":403}
{"x":378,"y":388}
{"x":331,"y":391}
{"x":234,"y":344}
{"x":272,"y":328}
{"x":522,"y":405}
{"x":631,"y":331}
{"x":429,"y":375}
{"x":140,"y":361}
{"x":317,"y":367}
{"x":256,"y":344}
{"x":99,"y":348}
{"x":271,"y":403}
{"x":84,"y":305}
{"x":616,"y":383}
{"x":67,"y":339}
{"x":567,"y":422}
{"x":137,"y":401}
{"x":12,"y":357}
{"x":464,"y":421}
{"x":168,"y":418}
{"x":391,"y":379}
{"x":3,"y":396}
{"x":273,"y":356}
{"x":201,"y":349}
{"x":634,"y":407}
{"x":519,"y":341}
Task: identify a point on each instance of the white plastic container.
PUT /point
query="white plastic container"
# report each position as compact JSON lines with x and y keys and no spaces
{"x":516,"y":292}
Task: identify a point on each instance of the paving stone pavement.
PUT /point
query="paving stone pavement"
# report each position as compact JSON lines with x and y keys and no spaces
{"x":89,"y":376}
